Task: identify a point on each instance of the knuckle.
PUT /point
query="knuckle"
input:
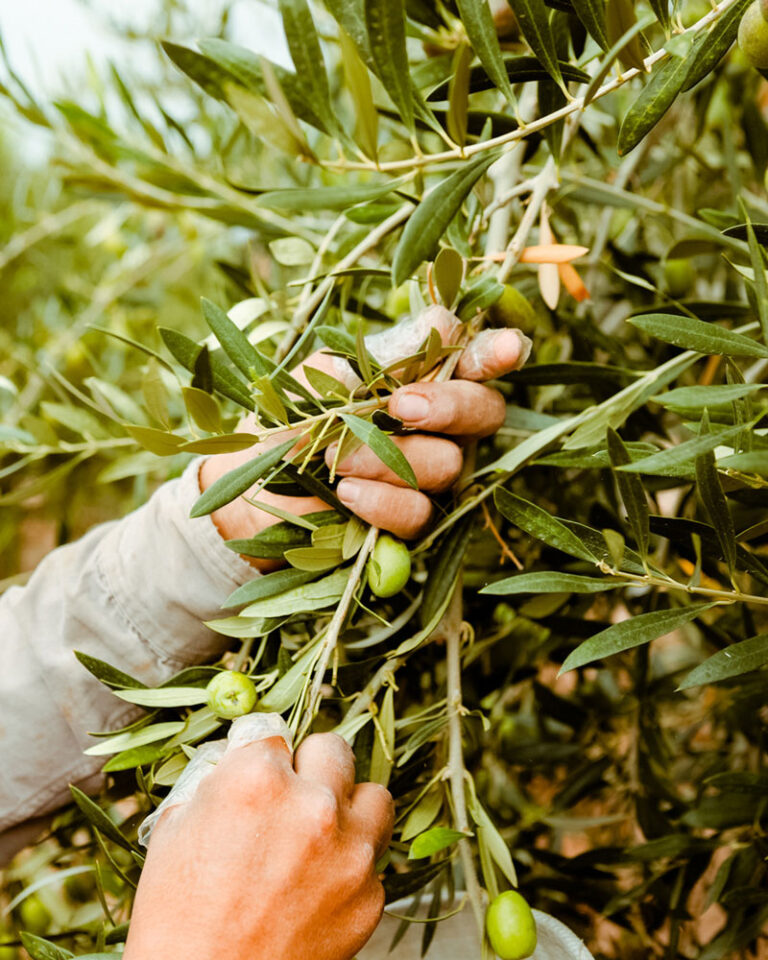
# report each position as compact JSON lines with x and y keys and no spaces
{"x":452,"y":461}
{"x":322,"y":810}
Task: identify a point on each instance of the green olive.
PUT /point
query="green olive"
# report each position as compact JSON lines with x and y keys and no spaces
{"x":678,"y":277}
{"x":512,"y":309}
{"x":34,"y":916}
{"x":231,"y":694}
{"x":511,"y":927}
{"x":389,"y":566}
{"x":753,"y":36}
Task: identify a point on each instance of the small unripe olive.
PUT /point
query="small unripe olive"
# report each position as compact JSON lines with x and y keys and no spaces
{"x":34,"y":916}
{"x":389,"y":566}
{"x":512,"y":309}
{"x":753,"y":36}
{"x":511,"y":926}
{"x":678,"y":277}
{"x":231,"y":694}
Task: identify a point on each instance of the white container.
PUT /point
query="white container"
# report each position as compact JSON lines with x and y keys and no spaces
{"x":456,"y":939}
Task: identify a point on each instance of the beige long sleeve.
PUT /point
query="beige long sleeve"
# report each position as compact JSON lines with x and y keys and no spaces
{"x":133,"y":592}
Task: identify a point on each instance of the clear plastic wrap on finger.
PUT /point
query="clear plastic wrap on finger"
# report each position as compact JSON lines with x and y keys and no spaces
{"x":242,"y":731}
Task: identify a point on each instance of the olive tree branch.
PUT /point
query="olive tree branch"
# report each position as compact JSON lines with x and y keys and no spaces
{"x":309,"y":304}
{"x":456,"y":771}
{"x":331,"y":637}
{"x":575,"y":105}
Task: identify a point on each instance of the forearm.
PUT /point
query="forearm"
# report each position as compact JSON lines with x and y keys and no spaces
{"x":132,"y":592}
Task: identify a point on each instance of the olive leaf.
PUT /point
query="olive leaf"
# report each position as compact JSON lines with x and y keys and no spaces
{"x":99,"y":819}
{"x":458,"y":95}
{"x":620,"y":21}
{"x":719,"y":39}
{"x":711,"y":494}
{"x":478,"y":22}
{"x":433,"y":841}
{"x":359,"y":85}
{"x":540,"y":524}
{"x":383,"y":446}
{"x":430,"y":219}
{"x":385,"y":29}
{"x":655,"y":99}
{"x":533,"y":18}
{"x":632,"y":632}
{"x":237,"y":481}
{"x":107,"y":674}
{"x":685,"y":452}
{"x":225,"y":382}
{"x":40,"y":949}
{"x":550,"y":581}
{"x":592,"y":15}
{"x":732,"y":661}
{"x":692,"y":334}
{"x":165,"y":696}
{"x":631,"y":489}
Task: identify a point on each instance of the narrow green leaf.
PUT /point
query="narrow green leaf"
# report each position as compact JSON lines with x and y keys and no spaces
{"x":756,"y":461}
{"x":268,"y":586}
{"x":533,"y":19}
{"x":632,"y":632}
{"x":433,"y":841}
{"x":758,"y":272}
{"x":160,"y":442}
{"x":314,"y":559}
{"x":359,"y":85}
{"x":619,"y":20}
{"x":385,"y":27}
{"x":478,"y":22}
{"x":692,"y":334}
{"x":430,"y":219}
{"x":307,"y":56}
{"x":655,"y":99}
{"x":661,"y":9}
{"x":202,"y":408}
{"x":685,"y":452}
{"x":99,"y":819}
{"x":592,"y":15}
{"x":719,"y":39}
{"x":237,"y":481}
{"x":107,"y":674}
{"x":165,"y":696}
{"x":550,"y":581}
{"x":40,"y":949}
{"x":540,"y":524}
{"x":224,"y":443}
{"x":225,"y":382}
{"x":711,"y":494}
{"x":632,"y":492}
{"x":382,"y":754}
{"x":136,"y":757}
{"x":714,"y":395}
{"x":303,"y":598}
{"x":733,"y":661}
{"x":458,"y":95}
{"x":233,"y":341}
{"x":383,"y":446}
{"x":135,"y":738}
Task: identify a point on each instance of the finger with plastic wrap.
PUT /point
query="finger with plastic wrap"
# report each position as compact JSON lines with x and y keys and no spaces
{"x":252,"y":728}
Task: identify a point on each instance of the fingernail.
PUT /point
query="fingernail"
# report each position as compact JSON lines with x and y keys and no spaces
{"x":411,"y":407}
{"x":348,"y":492}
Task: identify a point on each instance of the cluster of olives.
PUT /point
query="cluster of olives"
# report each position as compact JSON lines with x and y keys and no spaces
{"x":753,"y":34}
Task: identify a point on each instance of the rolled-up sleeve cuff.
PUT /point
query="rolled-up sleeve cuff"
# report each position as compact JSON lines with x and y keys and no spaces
{"x":167,"y":572}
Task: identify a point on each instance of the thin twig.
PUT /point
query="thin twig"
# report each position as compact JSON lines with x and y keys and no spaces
{"x":456,"y":769}
{"x":334,"y":627}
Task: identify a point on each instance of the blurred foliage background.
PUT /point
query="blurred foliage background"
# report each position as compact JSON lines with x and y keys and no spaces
{"x":634,"y":812}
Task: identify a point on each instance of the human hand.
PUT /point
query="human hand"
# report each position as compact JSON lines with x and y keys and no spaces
{"x":269,"y":860}
{"x":463,"y":408}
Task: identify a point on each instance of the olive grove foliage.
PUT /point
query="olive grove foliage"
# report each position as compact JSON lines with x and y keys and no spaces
{"x":568,"y":693}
